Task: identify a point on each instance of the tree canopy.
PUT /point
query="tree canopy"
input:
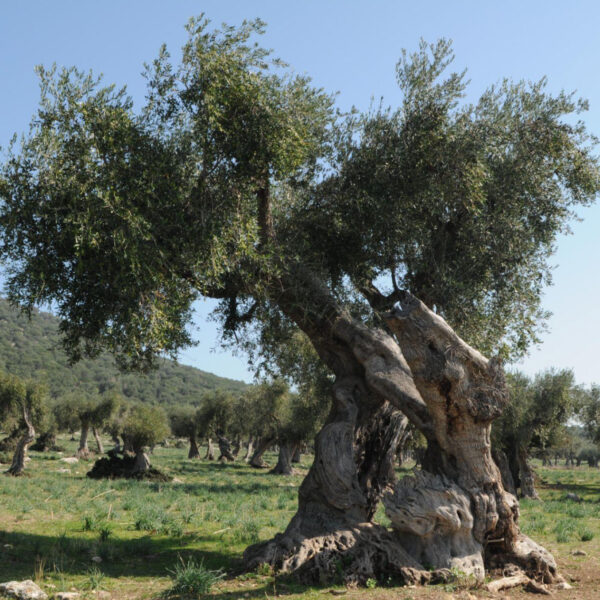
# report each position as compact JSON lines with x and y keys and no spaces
{"x":236,"y":170}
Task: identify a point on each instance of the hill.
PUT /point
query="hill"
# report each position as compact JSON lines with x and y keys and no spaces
{"x":31,"y":348}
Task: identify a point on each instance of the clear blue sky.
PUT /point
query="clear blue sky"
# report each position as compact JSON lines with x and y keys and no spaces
{"x":348,"y":46}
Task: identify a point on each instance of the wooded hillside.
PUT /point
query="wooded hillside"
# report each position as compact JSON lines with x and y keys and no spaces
{"x":31,"y":349}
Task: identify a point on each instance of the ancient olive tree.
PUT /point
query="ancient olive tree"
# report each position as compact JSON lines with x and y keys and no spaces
{"x":184,"y":423}
{"x":91,"y":413}
{"x":23,"y":405}
{"x":539,"y":410}
{"x":238,"y":181}
{"x":144,"y":427}
{"x":215,"y":418}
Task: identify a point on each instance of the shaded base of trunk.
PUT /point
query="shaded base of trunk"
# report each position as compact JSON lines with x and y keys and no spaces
{"x":432,"y":539}
{"x":127,"y":467}
{"x":325,"y":547}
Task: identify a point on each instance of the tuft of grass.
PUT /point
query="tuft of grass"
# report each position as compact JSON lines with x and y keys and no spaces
{"x":191,"y":579}
{"x":95,"y":580}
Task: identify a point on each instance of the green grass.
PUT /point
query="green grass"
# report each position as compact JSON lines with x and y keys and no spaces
{"x":131,"y":538}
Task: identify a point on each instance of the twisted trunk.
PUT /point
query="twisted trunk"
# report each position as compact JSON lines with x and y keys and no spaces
{"x":257,"y":458}
{"x":18,"y":462}
{"x":457,"y":512}
{"x":98,"y":440}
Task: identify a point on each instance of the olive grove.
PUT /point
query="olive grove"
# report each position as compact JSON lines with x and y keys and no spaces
{"x":407,"y":244}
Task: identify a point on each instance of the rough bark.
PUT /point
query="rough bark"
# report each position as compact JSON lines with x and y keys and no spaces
{"x":338,"y":498}
{"x":18,"y":462}
{"x":116,"y":444}
{"x":284,"y":460}
{"x":262,"y":446}
{"x":225,"y":449}
{"x":210,"y":453}
{"x":194,"y":451}
{"x":83,"y":450}
{"x":249,"y":449}
{"x":404,"y":437}
{"x":98,"y":440}
{"x":464,"y":392}
{"x":457,"y":513}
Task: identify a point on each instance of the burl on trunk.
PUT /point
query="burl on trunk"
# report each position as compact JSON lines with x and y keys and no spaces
{"x":455,"y":513}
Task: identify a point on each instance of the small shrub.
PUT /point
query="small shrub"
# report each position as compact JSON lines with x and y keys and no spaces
{"x":89,"y":523}
{"x":95,"y":579}
{"x":586,"y":534}
{"x":191,"y":579}
{"x":371,"y":583}
{"x":104,"y":532}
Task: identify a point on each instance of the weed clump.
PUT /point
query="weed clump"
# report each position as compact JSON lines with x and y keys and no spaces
{"x":191,"y":579}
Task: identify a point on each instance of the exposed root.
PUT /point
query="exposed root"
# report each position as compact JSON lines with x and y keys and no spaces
{"x":350,"y":553}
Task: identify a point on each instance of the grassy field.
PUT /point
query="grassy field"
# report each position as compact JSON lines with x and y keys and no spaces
{"x":68,"y":532}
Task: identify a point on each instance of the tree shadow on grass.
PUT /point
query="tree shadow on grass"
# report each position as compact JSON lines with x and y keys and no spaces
{"x":144,"y":557}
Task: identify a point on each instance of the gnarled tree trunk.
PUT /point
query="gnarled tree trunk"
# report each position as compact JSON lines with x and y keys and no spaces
{"x":18,"y":462}
{"x":98,"y":440}
{"x":225,"y":449}
{"x":194,"y":451}
{"x":457,"y":512}
{"x":262,"y":446}
{"x":83,"y":450}
{"x":284,"y":460}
